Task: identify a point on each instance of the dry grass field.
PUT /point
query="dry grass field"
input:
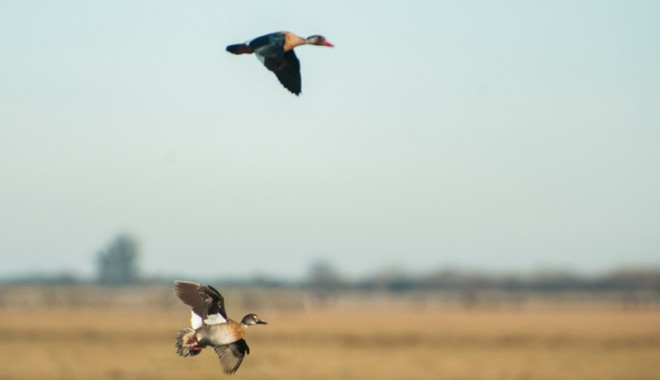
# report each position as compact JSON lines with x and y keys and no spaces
{"x":339,"y":343}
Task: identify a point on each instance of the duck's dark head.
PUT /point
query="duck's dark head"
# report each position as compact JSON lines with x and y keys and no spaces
{"x":253,"y":319}
{"x":318,"y":40}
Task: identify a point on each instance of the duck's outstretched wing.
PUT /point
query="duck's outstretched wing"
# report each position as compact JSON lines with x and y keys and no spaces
{"x":287,"y":69}
{"x":206,"y":302}
{"x":231,"y":355}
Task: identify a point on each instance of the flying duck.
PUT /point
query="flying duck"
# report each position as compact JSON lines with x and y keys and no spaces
{"x":212,"y":327}
{"x":275,"y":51}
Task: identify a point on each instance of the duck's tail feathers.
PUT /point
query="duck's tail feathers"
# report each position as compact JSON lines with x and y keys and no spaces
{"x":239,"y":49}
{"x":186,"y":343}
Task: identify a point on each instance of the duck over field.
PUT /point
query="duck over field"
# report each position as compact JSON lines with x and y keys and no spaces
{"x":211,"y":327}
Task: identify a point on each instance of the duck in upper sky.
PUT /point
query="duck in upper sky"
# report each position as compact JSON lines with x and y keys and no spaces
{"x":212,"y":327}
{"x":275,"y":51}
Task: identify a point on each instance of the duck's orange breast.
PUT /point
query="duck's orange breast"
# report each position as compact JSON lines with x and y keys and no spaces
{"x":291,"y":41}
{"x":224,"y":333}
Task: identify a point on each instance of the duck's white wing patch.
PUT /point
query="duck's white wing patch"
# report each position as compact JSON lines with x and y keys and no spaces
{"x":195,"y":320}
{"x":214,"y":319}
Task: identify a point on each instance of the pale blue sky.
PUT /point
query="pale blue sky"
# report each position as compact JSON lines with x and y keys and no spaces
{"x":509,"y":136}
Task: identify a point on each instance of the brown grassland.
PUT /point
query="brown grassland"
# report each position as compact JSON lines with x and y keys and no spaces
{"x":339,"y":343}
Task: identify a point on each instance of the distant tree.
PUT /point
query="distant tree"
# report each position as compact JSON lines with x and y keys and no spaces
{"x":324,"y":275}
{"x":117,"y":263}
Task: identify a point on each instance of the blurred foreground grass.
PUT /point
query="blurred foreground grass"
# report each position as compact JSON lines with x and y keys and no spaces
{"x":331,"y":342}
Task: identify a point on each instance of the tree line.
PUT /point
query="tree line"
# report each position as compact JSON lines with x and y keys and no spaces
{"x":118,"y":264}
